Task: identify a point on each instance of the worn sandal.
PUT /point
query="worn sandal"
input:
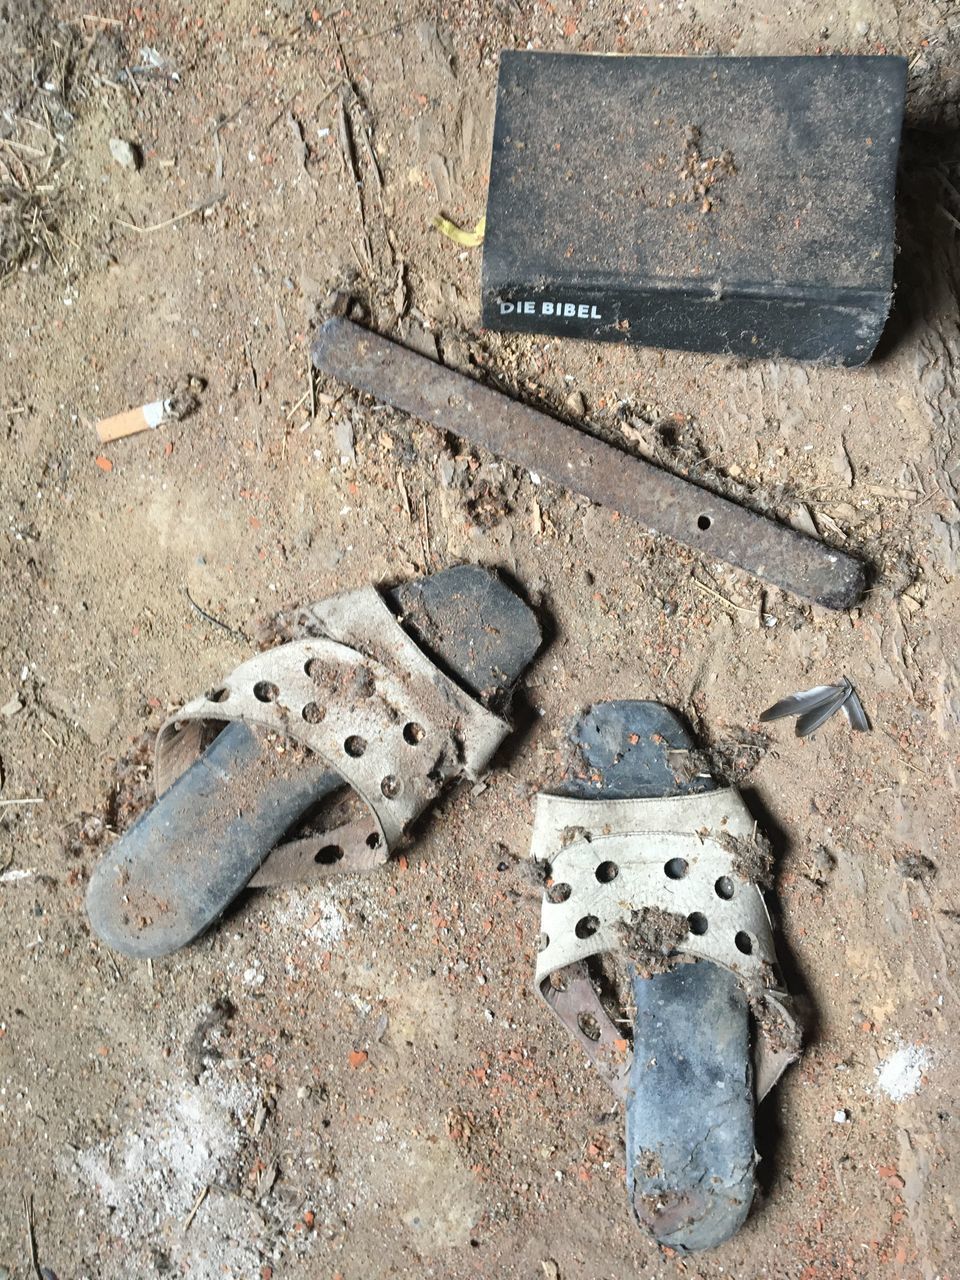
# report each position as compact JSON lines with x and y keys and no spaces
{"x":356,"y":725}
{"x":657,"y":955}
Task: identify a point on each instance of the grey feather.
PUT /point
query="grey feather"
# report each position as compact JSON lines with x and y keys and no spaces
{"x":807,"y":701}
{"x":811,"y":720}
{"x":856,"y":716}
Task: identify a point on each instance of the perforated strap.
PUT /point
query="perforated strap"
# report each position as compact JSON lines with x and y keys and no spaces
{"x":684,"y":855}
{"x":364,"y":698}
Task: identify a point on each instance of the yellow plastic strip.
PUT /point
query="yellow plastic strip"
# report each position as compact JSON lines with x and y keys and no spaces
{"x":467,"y":239}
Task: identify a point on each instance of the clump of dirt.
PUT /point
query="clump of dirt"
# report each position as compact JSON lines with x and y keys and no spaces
{"x":361,"y":683}
{"x":272,"y":629}
{"x":129,"y":793}
{"x":84,"y":832}
{"x":752,"y":856}
{"x":915,"y":866}
{"x":649,"y":1164}
{"x":651,"y":937}
{"x":460,"y":1125}
{"x":535,"y":872}
{"x":728,"y":760}
{"x":202,"y":1048}
{"x":486,"y":505}
{"x":700,"y":175}
{"x":821,"y":866}
{"x":573,"y":835}
{"x":732,"y":760}
{"x":782,"y":1036}
{"x":132,"y":790}
{"x":677,"y":442}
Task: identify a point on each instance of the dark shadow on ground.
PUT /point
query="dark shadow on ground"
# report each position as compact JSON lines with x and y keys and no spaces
{"x":928,"y":214}
{"x":769,"y":1131}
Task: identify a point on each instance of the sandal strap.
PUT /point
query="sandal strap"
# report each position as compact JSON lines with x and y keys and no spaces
{"x":613,"y":860}
{"x":362,"y":695}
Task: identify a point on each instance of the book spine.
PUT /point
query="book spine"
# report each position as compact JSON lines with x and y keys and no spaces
{"x":838,"y":325}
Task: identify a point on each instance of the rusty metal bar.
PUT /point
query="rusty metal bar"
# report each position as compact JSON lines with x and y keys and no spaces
{"x":658,"y":500}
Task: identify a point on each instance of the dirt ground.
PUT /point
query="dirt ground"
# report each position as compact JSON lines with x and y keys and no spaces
{"x":355,"y":1079}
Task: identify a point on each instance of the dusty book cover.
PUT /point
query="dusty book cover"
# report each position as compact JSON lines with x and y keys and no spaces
{"x":739,"y":205}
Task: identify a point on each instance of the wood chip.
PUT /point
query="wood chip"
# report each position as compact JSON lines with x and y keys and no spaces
{"x":267,"y":1179}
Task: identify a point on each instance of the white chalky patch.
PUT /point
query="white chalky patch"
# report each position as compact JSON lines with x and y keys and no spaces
{"x":314,"y":916}
{"x":900,"y":1075}
{"x":149,"y":1176}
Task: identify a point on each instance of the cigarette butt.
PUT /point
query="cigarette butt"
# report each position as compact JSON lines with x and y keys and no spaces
{"x":145,"y":418}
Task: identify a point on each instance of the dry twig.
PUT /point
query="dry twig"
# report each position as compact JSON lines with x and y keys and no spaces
{"x":31,"y":1235}
{"x":202,"y":207}
{"x":196,"y":1205}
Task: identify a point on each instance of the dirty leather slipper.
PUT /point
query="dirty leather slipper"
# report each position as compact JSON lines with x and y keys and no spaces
{"x":355,"y":726}
{"x":653,"y":915}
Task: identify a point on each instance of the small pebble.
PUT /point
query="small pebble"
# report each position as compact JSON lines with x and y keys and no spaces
{"x":126,"y":154}
{"x":13,"y":707}
{"x":576,"y":404}
{"x":841,"y":1116}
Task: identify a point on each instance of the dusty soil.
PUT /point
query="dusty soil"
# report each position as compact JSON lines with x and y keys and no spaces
{"x":355,"y":1079}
